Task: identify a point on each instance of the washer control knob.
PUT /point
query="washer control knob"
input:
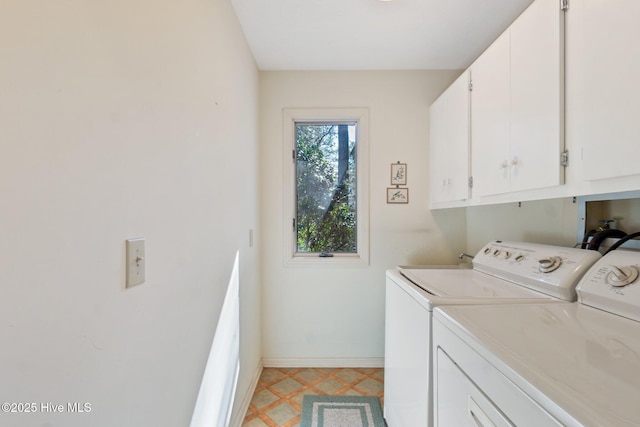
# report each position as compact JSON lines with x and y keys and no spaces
{"x":496,"y":252}
{"x":520,"y":257}
{"x":547,"y":265}
{"x":507,"y":255}
{"x":622,"y":276}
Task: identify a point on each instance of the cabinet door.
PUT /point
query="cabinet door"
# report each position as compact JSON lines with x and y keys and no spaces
{"x":537,"y":101}
{"x":449,"y":143}
{"x":603,"y":91}
{"x":438,"y":150}
{"x":490,"y":100}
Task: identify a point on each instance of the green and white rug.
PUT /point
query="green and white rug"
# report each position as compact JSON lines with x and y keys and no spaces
{"x":341,"y":411}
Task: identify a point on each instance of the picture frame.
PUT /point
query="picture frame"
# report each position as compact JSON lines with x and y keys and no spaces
{"x":397,"y":195}
{"x":398,"y":173}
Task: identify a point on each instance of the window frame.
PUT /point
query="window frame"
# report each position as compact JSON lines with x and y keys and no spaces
{"x":290,"y":117}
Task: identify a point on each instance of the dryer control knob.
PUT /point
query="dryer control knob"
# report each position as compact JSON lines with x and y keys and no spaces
{"x":547,"y":265}
{"x":622,"y":276}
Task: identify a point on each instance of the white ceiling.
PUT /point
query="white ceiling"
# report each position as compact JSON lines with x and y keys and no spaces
{"x":372,"y":34}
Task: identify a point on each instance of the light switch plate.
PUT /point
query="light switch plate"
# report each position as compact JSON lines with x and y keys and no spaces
{"x":135,"y":262}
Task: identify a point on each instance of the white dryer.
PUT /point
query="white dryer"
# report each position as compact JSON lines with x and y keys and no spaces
{"x":569,"y":364}
{"x":503,"y":273}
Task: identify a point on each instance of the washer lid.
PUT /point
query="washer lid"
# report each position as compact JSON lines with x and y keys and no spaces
{"x":583,"y":359}
{"x":467,"y":284}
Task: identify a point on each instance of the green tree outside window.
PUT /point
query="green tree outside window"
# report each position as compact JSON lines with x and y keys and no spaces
{"x":326,"y":217}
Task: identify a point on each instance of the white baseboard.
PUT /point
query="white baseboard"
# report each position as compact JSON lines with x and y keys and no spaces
{"x":326,"y":362}
{"x":238,"y":417}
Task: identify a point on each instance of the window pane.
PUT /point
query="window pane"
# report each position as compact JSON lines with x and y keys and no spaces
{"x":326,"y":187}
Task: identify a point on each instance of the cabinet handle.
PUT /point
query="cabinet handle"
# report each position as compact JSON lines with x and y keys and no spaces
{"x":504,"y":165}
{"x":514,"y":161}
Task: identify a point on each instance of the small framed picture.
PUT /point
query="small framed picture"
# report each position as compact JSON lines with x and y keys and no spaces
{"x":397,"y":195}
{"x":398,"y":174}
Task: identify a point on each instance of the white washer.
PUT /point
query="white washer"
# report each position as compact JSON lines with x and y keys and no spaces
{"x":569,"y":364}
{"x":503,"y":272}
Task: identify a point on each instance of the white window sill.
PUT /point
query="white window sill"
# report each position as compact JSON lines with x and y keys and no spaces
{"x":313,"y":260}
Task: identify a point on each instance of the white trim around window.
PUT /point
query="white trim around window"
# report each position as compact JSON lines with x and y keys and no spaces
{"x":290,"y":117}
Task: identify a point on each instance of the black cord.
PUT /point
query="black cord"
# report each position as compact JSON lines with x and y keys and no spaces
{"x":622,"y":241}
{"x":597,"y":240}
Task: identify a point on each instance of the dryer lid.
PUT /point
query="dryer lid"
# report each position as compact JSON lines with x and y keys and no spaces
{"x":581,"y":358}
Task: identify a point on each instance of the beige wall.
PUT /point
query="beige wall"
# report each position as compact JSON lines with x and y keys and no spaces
{"x":317,"y":314}
{"x":122,"y":119}
{"x":552,"y":222}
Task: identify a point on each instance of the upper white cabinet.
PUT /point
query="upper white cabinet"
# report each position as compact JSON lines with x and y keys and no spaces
{"x":449,"y":144}
{"x":537,"y":96}
{"x":603,"y":93}
{"x":517,"y":105}
{"x":490,"y":115}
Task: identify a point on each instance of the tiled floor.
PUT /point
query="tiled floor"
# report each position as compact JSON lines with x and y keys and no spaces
{"x":277,"y":401}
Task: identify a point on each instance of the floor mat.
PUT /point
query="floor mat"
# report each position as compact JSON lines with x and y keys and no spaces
{"x":341,"y":411}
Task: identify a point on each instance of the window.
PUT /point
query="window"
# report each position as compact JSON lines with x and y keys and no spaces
{"x":326,"y":155}
{"x":326,"y":188}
